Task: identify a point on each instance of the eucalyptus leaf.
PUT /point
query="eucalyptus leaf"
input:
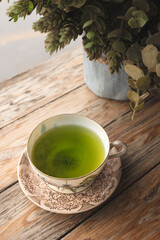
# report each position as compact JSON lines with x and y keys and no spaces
{"x":158,"y":69}
{"x":126,"y":35}
{"x":143,"y":83}
{"x":132,"y":105}
{"x":114,"y":34}
{"x":154,"y":40}
{"x":141,"y":4}
{"x":137,"y":22}
{"x":119,"y":46}
{"x":133,"y":71}
{"x":133,"y":96}
{"x":149,"y":56}
{"x":128,"y":14}
{"x":131,"y":83}
{"x":139,"y":107}
{"x":133,"y":53}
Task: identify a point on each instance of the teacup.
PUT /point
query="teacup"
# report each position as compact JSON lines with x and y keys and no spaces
{"x":73,"y":184}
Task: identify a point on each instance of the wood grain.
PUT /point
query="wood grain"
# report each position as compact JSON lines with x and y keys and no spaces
{"x":143,"y":139}
{"x":32,"y":222}
{"x":13,"y":138}
{"x":135,"y":214}
{"x":36,"y":87}
{"x":14,"y":212}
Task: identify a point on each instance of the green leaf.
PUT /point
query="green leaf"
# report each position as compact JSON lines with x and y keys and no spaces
{"x":138,"y":22}
{"x":62,"y":39}
{"x":128,"y":14}
{"x":149,"y":56}
{"x":15,"y":18}
{"x":131,"y":83}
{"x":54,"y":23}
{"x":90,"y":35}
{"x":99,"y":40}
{"x":110,"y":54}
{"x":143,"y":83}
{"x":126,"y":35}
{"x":133,"y":53}
{"x":133,"y":71}
{"x":132,"y":105}
{"x":141,"y":4}
{"x":119,"y":46}
{"x":154,"y":40}
{"x":31,"y":6}
{"x":117,"y":33}
{"x":140,"y":14}
{"x":89,"y":45}
{"x":135,"y":108}
{"x":88,"y":23}
{"x":133,"y":96}
{"x":114,"y":34}
{"x":138,"y":107}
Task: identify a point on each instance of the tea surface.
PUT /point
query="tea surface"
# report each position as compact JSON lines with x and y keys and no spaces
{"x":68,"y":151}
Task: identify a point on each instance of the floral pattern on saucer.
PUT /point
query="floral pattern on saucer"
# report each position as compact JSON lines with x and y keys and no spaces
{"x":43,"y":196}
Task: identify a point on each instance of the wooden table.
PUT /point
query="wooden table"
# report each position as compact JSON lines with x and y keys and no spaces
{"x":55,"y":87}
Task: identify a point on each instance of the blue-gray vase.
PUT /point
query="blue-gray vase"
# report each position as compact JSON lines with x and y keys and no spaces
{"x":102,"y":83}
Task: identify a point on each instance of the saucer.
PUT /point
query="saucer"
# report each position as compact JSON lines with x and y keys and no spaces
{"x":43,"y":196}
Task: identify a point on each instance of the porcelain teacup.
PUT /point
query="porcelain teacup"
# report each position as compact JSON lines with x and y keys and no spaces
{"x":77,"y":184}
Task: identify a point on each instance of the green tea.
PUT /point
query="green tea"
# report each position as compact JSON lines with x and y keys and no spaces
{"x":68,"y":151}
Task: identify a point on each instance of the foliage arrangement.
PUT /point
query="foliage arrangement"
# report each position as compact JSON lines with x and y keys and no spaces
{"x":125,"y":31}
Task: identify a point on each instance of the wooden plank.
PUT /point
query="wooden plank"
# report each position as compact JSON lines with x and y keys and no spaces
{"x":143,"y":139}
{"x":13,"y":138}
{"x":44,"y":83}
{"x":14,"y":213}
{"x":21,"y":219}
{"x":135,"y":214}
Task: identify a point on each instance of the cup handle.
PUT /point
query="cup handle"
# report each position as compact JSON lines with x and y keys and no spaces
{"x":121,"y":152}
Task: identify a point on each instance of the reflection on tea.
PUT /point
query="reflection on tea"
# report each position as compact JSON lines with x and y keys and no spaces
{"x":68,"y":151}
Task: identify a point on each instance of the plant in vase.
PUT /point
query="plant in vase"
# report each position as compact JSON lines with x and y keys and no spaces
{"x":115,"y":32}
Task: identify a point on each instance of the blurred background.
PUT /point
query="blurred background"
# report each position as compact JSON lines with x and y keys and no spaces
{"x":20,"y":47}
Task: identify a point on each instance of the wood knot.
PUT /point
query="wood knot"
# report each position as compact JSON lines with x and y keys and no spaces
{"x":152,"y":193}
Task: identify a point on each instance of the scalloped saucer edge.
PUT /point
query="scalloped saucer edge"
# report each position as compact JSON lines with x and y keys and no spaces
{"x":40,"y":194}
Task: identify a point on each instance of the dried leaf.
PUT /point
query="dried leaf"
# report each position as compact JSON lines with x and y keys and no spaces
{"x":158,"y":69}
{"x":139,"y":107}
{"x":149,"y":56}
{"x":133,"y":96}
{"x":133,"y":71}
{"x":131,"y":83}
